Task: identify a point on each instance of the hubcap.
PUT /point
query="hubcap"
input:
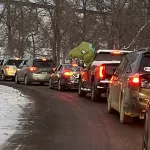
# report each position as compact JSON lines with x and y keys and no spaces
{"x":2,"y":76}
{"x":50,"y":83}
{"x":79,"y":89}
{"x":26,"y":80}
{"x":121,"y":113}
{"x":59,"y":86}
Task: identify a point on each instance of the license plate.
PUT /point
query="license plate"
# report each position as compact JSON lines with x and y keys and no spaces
{"x":44,"y":72}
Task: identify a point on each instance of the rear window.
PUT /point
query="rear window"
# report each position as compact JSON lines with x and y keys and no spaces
{"x":13,"y":62}
{"x":72,"y":68}
{"x":109,"y":57}
{"x":43,"y":64}
{"x":145,"y":63}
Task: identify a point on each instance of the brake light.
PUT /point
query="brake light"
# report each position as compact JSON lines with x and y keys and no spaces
{"x":134,"y":80}
{"x":117,"y":52}
{"x":33,"y":69}
{"x":101,"y":71}
{"x":68,"y":73}
{"x":7,"y":68}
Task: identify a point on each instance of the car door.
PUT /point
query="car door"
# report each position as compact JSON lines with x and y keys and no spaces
{"x":116,"y":86}
{"x":22,"y":68}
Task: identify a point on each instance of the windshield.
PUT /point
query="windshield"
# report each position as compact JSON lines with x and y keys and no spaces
{"x":109,"y":57}
{"x":144,"y":64}
{"x":14,"y":62}
{"x":43,"y":64}
{"x":73,"y":68}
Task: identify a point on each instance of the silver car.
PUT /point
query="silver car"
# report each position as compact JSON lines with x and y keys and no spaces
{"x":34,"y":70}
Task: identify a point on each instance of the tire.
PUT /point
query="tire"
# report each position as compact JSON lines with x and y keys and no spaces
{"x":42,"y":84}
{"x":16,"y":79}
{"x":3,"y":77}
{"x":59,"y":87}
{"x":109,"y":108}
{"x":94,"y":93}
{"x":124,"y":119}
{"x":50,"y":84}
{"x":26,"y":81}
{"x":80,"y":92}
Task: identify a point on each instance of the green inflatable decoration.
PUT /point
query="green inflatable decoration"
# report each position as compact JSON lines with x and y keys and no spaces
{"x":84,"y":51}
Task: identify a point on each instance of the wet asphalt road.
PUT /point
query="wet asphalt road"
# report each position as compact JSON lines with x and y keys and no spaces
{"x":63,"y":121}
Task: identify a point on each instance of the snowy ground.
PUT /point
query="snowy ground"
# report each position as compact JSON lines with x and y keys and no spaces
{"x":12,"y":102}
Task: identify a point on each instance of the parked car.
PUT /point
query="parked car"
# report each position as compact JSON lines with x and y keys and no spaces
{"x":8,"y":68}
{"x":95,"y":80}
{"x":34,"y":70}
{"x":65,"y":76}
{"x":129,"y":87}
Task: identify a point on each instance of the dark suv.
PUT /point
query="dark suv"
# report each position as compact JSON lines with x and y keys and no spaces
{"x":129,"y":88}
{"x":34,"y":70}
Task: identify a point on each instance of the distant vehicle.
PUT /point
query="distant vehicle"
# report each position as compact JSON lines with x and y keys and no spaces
{"x":65,"y":76}
{"x":8,"y":68}
{"x":97,"y":78}
{"x":34,"y":70}
{"x":129,"y":88}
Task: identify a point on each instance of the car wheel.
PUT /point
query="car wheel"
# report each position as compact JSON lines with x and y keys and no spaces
{"x":50,"y":84}
{"x":94,"y":93}
{"x":80,"y":92}
{"x":16,"y":79}
{"x":123,"y":117}
{"x":3,"y":77}
{"x":26,"y":81}
{"x":110,"y":109}
{"x":60,"y":88}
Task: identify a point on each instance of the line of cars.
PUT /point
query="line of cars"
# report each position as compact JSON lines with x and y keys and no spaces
{"x":121,"y":76}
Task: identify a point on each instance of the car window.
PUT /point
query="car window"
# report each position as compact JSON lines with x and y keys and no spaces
{"x":43,"y":64}
{"x":60,"y":68}
{"x":13,"y":62}
{"x":109,"y":57}
{"x":1,"y":62}
{"x":72,"y":68}
{"x":123,"y":66}
{"x":145,"y":63}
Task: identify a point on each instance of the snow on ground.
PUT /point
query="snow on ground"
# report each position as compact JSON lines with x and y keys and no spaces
{"x":12,"y":102}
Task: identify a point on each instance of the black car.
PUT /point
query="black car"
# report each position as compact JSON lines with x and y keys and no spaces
{"x":129,"y":88}
{"x":65,"y":76}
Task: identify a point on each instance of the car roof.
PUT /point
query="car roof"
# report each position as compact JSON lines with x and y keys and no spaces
{"x":107,"y":51}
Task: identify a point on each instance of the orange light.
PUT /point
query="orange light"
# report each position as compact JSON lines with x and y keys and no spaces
{"x":74,"y":65}
{"x":101,"y":71}
{"x":68,"y":73}
{"x":135,"y":79}
{"x":32,"y":69}
{"x":7,"y":68}
{"x":17,"y":58}
{"x":44,"y":59}
{"x":117,"y":52}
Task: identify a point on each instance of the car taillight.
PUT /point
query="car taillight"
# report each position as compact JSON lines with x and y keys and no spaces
{"x":101,"y":72}
{"x":134,"y":80}
{"x":7,"y":67}
{"x":33,"y":69}
{"x":85,"y":75}
{"x":67,"y":73}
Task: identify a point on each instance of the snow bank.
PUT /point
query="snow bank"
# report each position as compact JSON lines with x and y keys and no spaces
{"x":12,"y":102}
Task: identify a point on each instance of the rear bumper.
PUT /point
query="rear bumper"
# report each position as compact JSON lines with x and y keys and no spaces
{"x":103,"y":85}
{"x":70,"y":83}
{"x":39,"y":78}
{"x":136,"y":105}
{"x":10,"y":74}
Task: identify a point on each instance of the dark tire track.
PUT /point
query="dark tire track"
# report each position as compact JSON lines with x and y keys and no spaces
{"x":64,"y":121}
